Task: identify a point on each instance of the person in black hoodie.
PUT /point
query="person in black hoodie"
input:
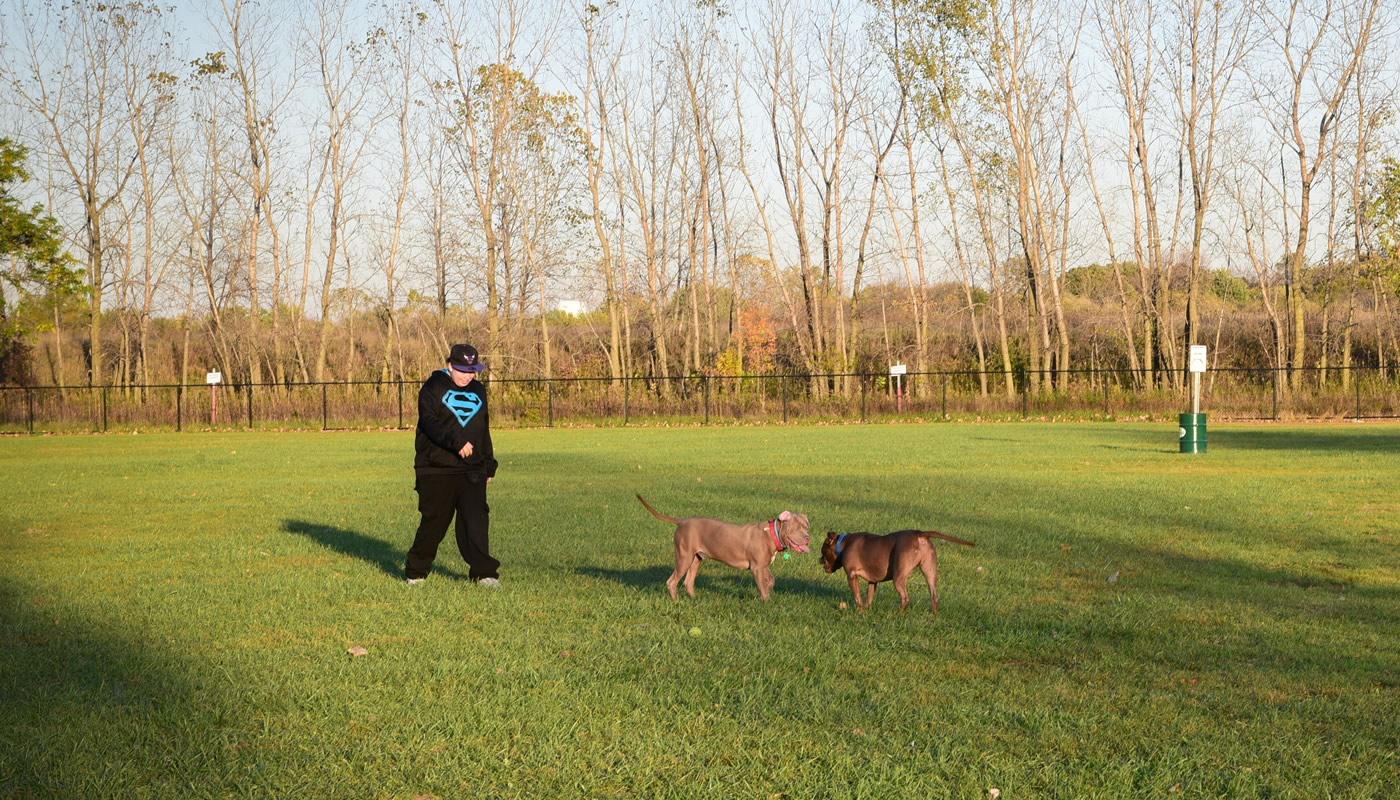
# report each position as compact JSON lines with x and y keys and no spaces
{"x":454,"y":462}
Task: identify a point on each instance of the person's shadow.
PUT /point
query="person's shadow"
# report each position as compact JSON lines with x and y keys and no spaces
{"x":387,"y":557}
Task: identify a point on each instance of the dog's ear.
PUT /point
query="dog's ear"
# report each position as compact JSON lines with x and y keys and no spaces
{"x":785,"y":516}
{"x":829,"y":552}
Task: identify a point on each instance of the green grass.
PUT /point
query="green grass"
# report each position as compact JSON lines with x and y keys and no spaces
{"x":175,"y":612}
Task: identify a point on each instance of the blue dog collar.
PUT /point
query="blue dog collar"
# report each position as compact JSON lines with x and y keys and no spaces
{"x":839,"y":540}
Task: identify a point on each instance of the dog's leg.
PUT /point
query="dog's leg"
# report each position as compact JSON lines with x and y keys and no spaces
{"x":690,"y":575}
{"x":683,"y":562}
{"x":764,"y":580}
{"x":870,"y":603}
{"x":929,"y":566}
{"x":856,"y":591}
{"x":901,"y":585}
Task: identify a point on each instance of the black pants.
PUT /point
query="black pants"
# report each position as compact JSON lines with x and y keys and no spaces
{"x":439,"y":498}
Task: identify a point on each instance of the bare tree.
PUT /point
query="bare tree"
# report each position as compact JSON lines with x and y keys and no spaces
{"x":201,"y":181}
{"x":773,"y":260}
{"x":1373,"y":101}
{"x":482,"y":97}
{"x":342,"y":84}
{"x":985,"y":223}
{"x":692,"y":46}
{"x":646,"y":160}
{"x":846,"y":69}
{"x":1009,"y":65}
{"x":875,"y":135}
{"x":955,"y":230}
{"x":148,"y":87}
{"x":1209,"y":46}
{"x":915,"y":281}
{"x":69,"y":77}
{"x":1303,"y":34}
{"x":251,"y":61}
{"x":1128,"y":305}
{"x":932,"y":46}
{"x":600,"y":76}
{"x":1253,"y":209}
{"x":785,"y":99}
{"x":396,"y":49}
{"x":1126,"y":29}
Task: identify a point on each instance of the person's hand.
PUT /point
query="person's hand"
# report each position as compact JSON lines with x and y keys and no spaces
{"x":466,"y":450}
{"x":489,"y":479}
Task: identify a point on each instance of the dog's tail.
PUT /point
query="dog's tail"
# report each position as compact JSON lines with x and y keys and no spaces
{"x":658,"y":514}
{"x":945,"y":537}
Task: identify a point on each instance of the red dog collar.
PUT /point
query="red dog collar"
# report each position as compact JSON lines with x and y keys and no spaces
{"x":773,"y":531}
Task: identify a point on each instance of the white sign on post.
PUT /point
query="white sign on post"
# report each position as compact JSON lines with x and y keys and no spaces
{"x":1198,"y":358}
{"x":1197,"y":366}
{"x":898,"y":369}
{"x":214,"y":377}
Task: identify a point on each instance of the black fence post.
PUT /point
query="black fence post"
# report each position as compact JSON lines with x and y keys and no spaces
{"x":29,"y":401}
{"x":250,"y":405}
{"x":179,"y":407}
{"x":705,"y":388}
{"x":861,"y":378}
{"x":944,"y":376}
{"x":549,"y":393}
{"x":104,"y":409}
{"x":1357,"y":381}
{"x":626,"y":396}
{"x":323,"y":406}
{"x":400,"y":382}
{"x":1275,"y":374}
{"x":783,"y":384}
{"x":1025,"y":394}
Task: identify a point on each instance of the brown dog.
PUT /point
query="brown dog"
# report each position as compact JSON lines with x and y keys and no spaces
{"x":890,"y":557}
{"x":751,"y":546}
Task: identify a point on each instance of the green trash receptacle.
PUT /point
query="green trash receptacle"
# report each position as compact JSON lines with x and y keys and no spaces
{"x":1192,"y":433}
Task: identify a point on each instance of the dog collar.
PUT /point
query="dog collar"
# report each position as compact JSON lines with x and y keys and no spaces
{"x":773,"y":531}
{"x":840,"y":540}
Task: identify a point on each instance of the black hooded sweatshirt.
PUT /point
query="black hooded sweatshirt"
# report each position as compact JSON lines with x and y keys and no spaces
{"x":449,"y":416}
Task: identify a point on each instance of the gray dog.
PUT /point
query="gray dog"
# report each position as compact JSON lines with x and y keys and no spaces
{"x":751,"y":546}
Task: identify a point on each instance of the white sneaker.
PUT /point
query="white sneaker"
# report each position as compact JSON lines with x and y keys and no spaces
{"x":490,"y":583}
{"x":415,"y":581}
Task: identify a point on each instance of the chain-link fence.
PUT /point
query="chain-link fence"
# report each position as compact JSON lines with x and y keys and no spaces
{"x":1227,"y":394}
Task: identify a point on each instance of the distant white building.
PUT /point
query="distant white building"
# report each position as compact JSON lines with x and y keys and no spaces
{"x":572,"y":307}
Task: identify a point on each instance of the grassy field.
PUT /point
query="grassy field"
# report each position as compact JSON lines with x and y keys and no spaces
{"x":176,"y":610}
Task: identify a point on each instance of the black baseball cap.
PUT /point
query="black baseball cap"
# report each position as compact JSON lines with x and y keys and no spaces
{"x":463,"y":358}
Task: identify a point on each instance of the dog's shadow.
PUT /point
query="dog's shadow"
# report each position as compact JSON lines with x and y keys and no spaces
{"x":732,"y":584}
{"x":377,"y":552}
